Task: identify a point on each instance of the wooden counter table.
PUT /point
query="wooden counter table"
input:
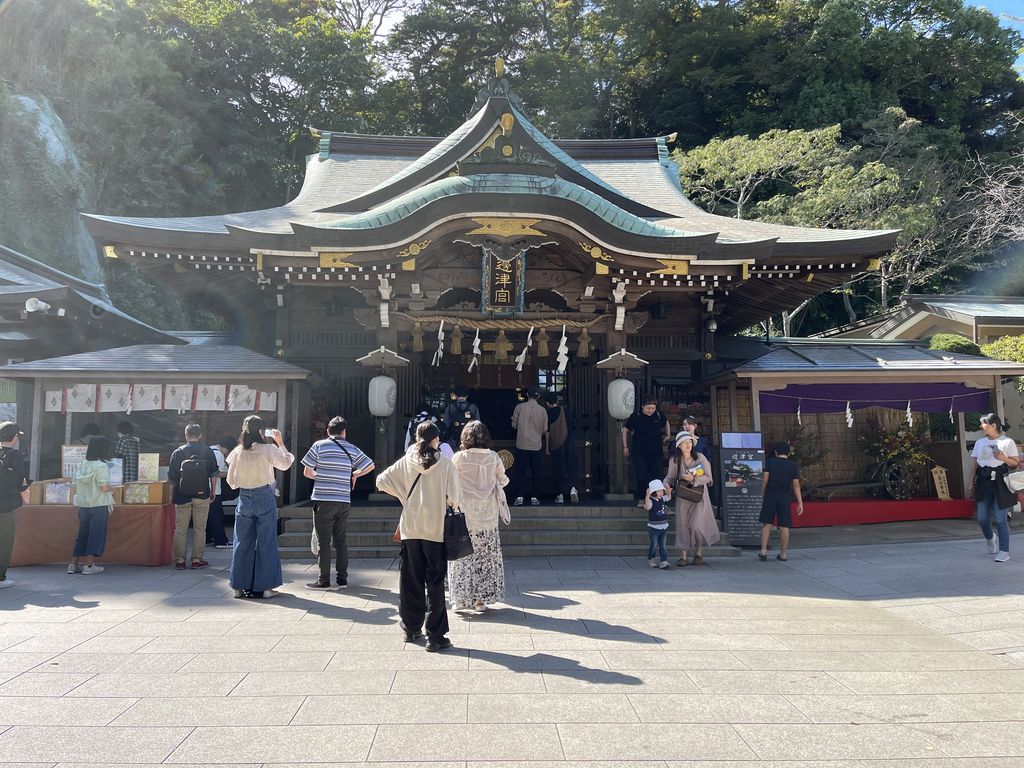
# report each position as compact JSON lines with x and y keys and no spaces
{"x":137,"y":534}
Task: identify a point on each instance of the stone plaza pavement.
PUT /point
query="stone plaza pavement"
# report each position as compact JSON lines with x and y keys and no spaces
{"x":907,"y":654}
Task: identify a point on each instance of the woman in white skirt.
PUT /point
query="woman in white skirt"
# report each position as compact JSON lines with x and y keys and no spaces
{"x":479,"y":579}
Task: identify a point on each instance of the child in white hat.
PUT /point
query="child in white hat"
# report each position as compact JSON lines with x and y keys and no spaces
{"x":656,"y":504}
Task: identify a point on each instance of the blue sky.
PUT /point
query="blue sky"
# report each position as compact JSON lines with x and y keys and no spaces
{"x":1003,"y":7}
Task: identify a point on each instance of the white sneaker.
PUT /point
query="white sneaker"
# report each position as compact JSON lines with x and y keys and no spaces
{"x":1002,"y":557}
{"x":239,"y":593}
{"x":91,"y":569}
{"x":535,"y":501}
{"x":560,"y":499}
{"x":518,"y":502}
{"x":640,"y":504}
{"x":652,"y":562}
{"x":269,"y":593}
{"x":993,"y":545}
{"x":72,"y":569}
{"x":574,"y":496}
{"x":6,"y":584}
{"x":664,"y":564}
{"x":223,"y":546}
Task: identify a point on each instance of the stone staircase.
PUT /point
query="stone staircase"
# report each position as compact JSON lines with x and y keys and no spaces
{"x":590,"y":528}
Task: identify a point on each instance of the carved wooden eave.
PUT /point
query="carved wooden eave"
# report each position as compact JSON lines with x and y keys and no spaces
{"x":383,"y":358}
{"x":621,"y":361}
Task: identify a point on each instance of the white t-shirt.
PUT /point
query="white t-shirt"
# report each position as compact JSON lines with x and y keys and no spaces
{"x":221,"y":466}
{"x":983,"y":450}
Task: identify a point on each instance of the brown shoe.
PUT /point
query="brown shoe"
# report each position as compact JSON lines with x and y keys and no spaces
{"x":199,"y":564}
{"x":698,"y":559}
{"x":682,"y":562}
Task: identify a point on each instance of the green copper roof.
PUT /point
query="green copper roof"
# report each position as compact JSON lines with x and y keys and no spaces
{"x":505,"y":184}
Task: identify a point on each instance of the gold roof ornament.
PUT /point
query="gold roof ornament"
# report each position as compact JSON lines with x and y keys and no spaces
{"x":499,"y":67}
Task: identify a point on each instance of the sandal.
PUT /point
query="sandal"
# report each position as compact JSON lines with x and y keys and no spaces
{"x":682,"y":562}
{"x":180,"y":565}
{"x":762,"y":556}
{"x":780,"y":557}
{"x":698,"y":559}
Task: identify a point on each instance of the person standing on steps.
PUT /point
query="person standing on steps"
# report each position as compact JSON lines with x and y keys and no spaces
{"x":780,"y":482}
{"x":333,"y":465}
{"x":559,"y":447}
{"x":994,"y":456}
{"x":643,"y":442}
{"x":530,"y":421}
{"x":457,"y":415}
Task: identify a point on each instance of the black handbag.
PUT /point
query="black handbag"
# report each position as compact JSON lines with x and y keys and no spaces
{"x":457,"y":543}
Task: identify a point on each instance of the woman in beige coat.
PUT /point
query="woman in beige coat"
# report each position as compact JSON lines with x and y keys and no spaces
{"x":695,"y":520}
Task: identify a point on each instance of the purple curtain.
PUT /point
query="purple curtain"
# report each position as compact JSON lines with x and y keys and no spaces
{"x":832,"y":398}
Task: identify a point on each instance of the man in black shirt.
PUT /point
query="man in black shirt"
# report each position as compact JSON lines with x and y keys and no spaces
{"x":649,"y":430}
{"x":13,"y":480}
{"x":779,"y":483}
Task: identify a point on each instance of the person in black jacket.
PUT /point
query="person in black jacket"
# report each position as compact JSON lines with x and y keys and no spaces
{"x":13,"y":480}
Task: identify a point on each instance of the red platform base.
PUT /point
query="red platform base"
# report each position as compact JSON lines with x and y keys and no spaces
{"x":861,"y":511}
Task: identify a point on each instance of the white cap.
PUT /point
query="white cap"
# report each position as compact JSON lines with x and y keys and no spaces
{"x":655,"y":485}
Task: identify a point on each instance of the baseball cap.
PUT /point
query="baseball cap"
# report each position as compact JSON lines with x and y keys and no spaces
{"x":9,"y":430}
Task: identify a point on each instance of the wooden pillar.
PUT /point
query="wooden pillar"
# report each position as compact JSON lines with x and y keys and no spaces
{"x":755,"y":404}
{"x":36,"y":431}
{"x":282,"y":395}
{"x":716,"y":428}
{"x":965,"y":457}
{"x":733,"y":417}
{"x":293,"y":430}
{"x":997,"y":386}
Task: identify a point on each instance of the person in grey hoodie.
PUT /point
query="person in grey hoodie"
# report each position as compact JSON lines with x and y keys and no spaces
{"x":425,"y":482}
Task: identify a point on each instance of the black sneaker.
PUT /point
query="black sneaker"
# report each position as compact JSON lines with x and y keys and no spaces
{"x":320,"y":584}
{"x":438,"y":644}
{"x":411,"y":636}
{"x":342,"y":583}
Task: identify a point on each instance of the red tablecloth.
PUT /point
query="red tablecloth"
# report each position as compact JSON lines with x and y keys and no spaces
{"x":136,"y":535}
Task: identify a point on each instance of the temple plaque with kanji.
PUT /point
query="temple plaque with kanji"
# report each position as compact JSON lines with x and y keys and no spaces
{"x":503,"y":283}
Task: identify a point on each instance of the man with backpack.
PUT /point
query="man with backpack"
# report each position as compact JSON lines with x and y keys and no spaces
{"x":457,"y":415}
{"x":333,"y":465}
{"x":13,"y":480}
{"x":193,"y":470}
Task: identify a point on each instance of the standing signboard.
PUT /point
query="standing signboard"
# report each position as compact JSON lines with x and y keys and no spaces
{"x":742,"y":463}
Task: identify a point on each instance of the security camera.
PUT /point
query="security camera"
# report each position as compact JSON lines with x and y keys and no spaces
{"x":35,"y":305}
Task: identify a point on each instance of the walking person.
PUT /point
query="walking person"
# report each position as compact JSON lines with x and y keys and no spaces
{"x":695,"y":520}
{"x":479,"y":580}
{"x":559,"y":447}
{"x":127,"y":449}
{"x":994,"y":456}
{"x":425,"y":483}
{"x":192,"y":469}
{"x":13,"y":482}
{"x":530,"y":421}
{"x":780,"y":483}
{"x":643,"y":442}
{"x":95,"y":501}
{"x":255,"y":559}
{"x":656,"y":503}
{"x":333,"y":465}
{"x":215,"y":535}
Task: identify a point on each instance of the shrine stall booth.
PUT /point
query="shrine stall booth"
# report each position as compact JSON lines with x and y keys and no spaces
{"x":877,"y":428}
{"x":159,"y":389}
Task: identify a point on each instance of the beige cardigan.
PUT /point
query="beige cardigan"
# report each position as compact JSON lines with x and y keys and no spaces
{"x":423,"y":510}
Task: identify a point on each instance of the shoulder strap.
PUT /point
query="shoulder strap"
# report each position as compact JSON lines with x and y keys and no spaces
{"x":409,"y":494}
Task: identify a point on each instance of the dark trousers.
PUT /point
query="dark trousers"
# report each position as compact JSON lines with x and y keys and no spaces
{"x":561,"y":464}
{"x":528,"y":461}
{"x":215,"y":523}
{"x":647,"y":467}
{"x":330,"y":519}
{"x":421,"y":587}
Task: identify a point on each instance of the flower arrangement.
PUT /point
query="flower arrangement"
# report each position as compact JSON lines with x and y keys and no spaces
{"x":904,"y":444}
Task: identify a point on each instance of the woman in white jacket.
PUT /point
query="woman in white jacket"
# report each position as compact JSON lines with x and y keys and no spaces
{"x":480,"y":578}
{"x":425,"y":482}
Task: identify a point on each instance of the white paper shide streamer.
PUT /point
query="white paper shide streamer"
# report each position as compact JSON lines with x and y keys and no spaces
{"x":476,"y":352}
{"x":563,"y":352}
{"x":849,"y":415}
{"x":521,"y":358}
{"x":440,"y":345}
{"x":951,"y":410}
{"x":798,"y":404}
{"x":910,"y":415}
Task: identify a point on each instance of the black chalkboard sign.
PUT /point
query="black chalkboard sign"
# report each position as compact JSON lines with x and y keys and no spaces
{"x":742,"y":462}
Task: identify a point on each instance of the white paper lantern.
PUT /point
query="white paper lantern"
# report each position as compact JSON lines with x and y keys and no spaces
{"x":621,"y":399}
{"x":383,"y":394}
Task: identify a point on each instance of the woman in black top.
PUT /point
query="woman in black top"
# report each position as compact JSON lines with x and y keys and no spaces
{"x":780,"y":481}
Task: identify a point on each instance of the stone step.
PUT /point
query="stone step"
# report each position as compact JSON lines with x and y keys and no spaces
{"x":518,"y":523}
{"x":508,"y":538}
{"x":366,"y":511}
{"x":537,"y":550}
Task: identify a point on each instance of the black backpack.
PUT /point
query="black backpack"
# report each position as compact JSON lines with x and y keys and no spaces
{"x":10,"y":482}
{"x":194,"y":477}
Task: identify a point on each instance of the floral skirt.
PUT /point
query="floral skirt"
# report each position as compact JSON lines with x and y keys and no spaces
{"x":479,"y":578}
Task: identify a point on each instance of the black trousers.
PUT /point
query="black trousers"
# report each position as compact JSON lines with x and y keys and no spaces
{"x":330,"y":519}
{"x":528,"y":461}
{"x":647,"y":467}
{"x":421,"y":587}
{"x":215,"y":523}
{"x":561,"y":466}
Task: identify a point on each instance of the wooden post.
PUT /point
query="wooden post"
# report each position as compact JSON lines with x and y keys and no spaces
{"x":1000,"y":402}
{"x":282,"y":405}
{"x":733,"y":417}
{"x":293,"y":430}
{"x":716,"y":428}
{"x":965,"y":457}
{"x":36,"y":431}
{"x":755,"y":404}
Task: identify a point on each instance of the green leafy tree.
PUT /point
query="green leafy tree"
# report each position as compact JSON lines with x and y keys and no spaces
{"x":953,"y":342}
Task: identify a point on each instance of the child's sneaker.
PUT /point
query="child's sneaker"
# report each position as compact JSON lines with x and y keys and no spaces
{"x":560,"y":499}
{"x":664,"y":564}
{"x":574,"y":496}
{"x":534,"y":501}
{"x":652,"y":562}
{"x":518,"y":502}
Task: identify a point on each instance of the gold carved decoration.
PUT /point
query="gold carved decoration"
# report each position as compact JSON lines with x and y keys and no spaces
{"x":873,"y":265}
{"x":595,"y":252}
{"x":507,"y":121}
{"x":109,"y":251}
{"x":499,"y":67}
{"x":745,"y":272}
{"x":500,"y":227}
{"x":601,"y":269}
{"x":336,"y":259}
{"x":672,"y":267}
{"x":413,"y":249}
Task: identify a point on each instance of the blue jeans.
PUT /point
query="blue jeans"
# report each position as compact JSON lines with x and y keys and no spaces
{"x":92,"y":531}
{"x":657,"y":538}
{"x":255,"y":560}
{"x":986,"y":507}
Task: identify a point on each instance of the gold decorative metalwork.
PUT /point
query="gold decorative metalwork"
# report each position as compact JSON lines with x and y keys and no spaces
{"x":506,"y":151}
{"x":336,"y":259}
{"x":745,"y":272}
{"x":672,"y":267}
{"x":501,"y":227}
{"x":601,"y":269}
{"x":873,"y":265}
{"x":507,"y":121}
{"x":595,"y":252}
{"x":409,"y":265}
{"x":499,"y":67}
{"x":507,"y":458}
{"x":413,"y":249}
{"x":109,"y":251}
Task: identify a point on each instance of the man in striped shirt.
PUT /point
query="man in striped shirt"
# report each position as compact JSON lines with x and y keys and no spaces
{"x":333,"y":465}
